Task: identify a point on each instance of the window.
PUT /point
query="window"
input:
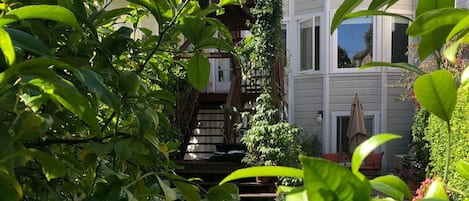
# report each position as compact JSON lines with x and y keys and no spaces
{"x":400,"y":40}
{"x":309,"y":44}
{"x":339,"y":140}
{"x":355,"y":42}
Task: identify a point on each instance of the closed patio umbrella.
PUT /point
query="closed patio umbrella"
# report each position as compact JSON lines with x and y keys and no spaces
{"x":356,"y":131}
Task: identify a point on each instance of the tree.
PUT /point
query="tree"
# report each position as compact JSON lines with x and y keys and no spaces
{"x":85,"y":108}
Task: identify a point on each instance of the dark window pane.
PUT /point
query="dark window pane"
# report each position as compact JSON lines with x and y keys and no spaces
{"x":400,"y":41}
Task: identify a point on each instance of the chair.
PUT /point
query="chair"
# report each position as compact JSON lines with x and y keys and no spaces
{"x":373,"y":163}
{"x":334,"y":157}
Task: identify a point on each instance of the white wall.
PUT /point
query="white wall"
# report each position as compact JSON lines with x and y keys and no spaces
{"x":308,"y":93}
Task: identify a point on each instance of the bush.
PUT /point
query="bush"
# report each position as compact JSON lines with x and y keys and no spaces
{"x":437,"y":135}
{"x":420,"y":146}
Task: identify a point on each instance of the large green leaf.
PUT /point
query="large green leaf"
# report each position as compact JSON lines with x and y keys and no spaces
{"x":465,"y":77}
{"x":123,"y":150}
{"x":160,"y":9}
{"x":95,"y":84}
{"x":6,"y":46}
{"x":189,"y":192}
{"x":325,"y":180}
{"x":377,"y":4}
{"x":51,"y":167}
{"x":224,"y":192}
{"x":392,"y":186}
{"x":105,"y":17}
{"x":432,"y":42}
{"x":458,"y":28}
{"x":62,"y":91}
{"x":49,"y":12}
{"x":293,"y":193}
{"x":462,"y":167}
{"x":365,"y":148}
{"x":428,"y":5}
{"x":364,"y":13}
{"x":451,"y":51}
{"x":169,"y":193}
{"x":198,"y":71}
{"x":436,"y":191}
{"x":28,"y":42}
{"x":436,"y":19}
{"x":345,"y":8}
{"x":196,"y":29}
{"x":437,"y":92}
{"x":227,"y":2}
{"x":405,"y":66}
{"x":263,"y":171}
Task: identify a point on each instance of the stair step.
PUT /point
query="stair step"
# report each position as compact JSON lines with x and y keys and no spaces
{"x":208,"y":135}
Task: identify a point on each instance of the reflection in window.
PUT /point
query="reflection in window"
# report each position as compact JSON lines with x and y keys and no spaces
{"x":400,"y":40}
{"x":342,"y":125}
{"x":355,"y":42}
{"x":309,"y":38}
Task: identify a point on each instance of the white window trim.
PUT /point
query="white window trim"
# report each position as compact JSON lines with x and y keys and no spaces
{"x":377,"y":29}
{"x":332,"y":147}
{"x":298,"y":20}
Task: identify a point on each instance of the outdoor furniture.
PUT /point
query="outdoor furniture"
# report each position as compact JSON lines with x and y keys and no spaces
{"x":334,"y":157}
{"x":373,"y":163}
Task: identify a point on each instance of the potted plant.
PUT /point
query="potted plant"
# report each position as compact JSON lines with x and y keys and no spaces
{"x":270,"y":141}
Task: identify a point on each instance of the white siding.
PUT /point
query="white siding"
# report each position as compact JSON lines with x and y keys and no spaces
{"x":462,"y":3}
{"x":399,"y":115}
{"x":344,"y":88}
{"x":286,"y":8}
{"x":308,"y":6}
{"x":336,"y":3}
{"x":308,"y":93}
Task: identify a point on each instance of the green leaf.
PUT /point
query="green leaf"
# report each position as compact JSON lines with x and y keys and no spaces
{"x":462,"y":167}
{"x":107,"y":16}
{"x":436,"y":191}
{"x":28,"y":42}
{"x":123,"y":150}
{"x":293,"y":193}
{"x":198,"y":71}
{"x":365,"y":13}
{"x":377,"y":4}
{"x":405,"y":66}
{"x":429,"y":5}
{"x":95,"y":84}
{"x":10,"y":189}
{"x":345,"y":8}
{"x":432,"y":42}
{"x":227,"y":2}
{"x":436,"y":19}
{"x":437,"y":92}
{"x":196,"y":29}
{"x":263,"y":171}
{"x":392,"y":186}
{"x":458,"y":28}
{"x":365,"y":148}
{"x":325,"y":180}
{"x":451,"y":51}
{"x":49,"y":12}
{"x":189,"y":192}
{"x":169,"y":193}
{"x":51,"y":167}
{"x":465,"y":77}
{"x":7,"y":47}
{"x":225,"y":192}
{"x":62,"y":91}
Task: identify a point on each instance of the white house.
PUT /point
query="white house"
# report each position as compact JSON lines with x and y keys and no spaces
{"x":323,"y":80}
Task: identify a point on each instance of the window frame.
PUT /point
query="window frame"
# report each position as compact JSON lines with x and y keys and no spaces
{"x":315,"y":18}
{"x":334,"y":42}
{"x":334,"y":115}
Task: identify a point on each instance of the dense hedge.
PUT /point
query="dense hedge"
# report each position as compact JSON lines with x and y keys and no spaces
{"x":437,"y":134}
{"x":419,"y":144}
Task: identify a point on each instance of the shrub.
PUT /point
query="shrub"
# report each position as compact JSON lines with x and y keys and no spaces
{"x":420,"y":145}
{"x":437,"y":135}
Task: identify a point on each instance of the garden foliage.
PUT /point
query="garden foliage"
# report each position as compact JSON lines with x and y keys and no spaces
{"x":420,"y":145}
{"x":86,"y":108}
{"x":436,"y":135}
